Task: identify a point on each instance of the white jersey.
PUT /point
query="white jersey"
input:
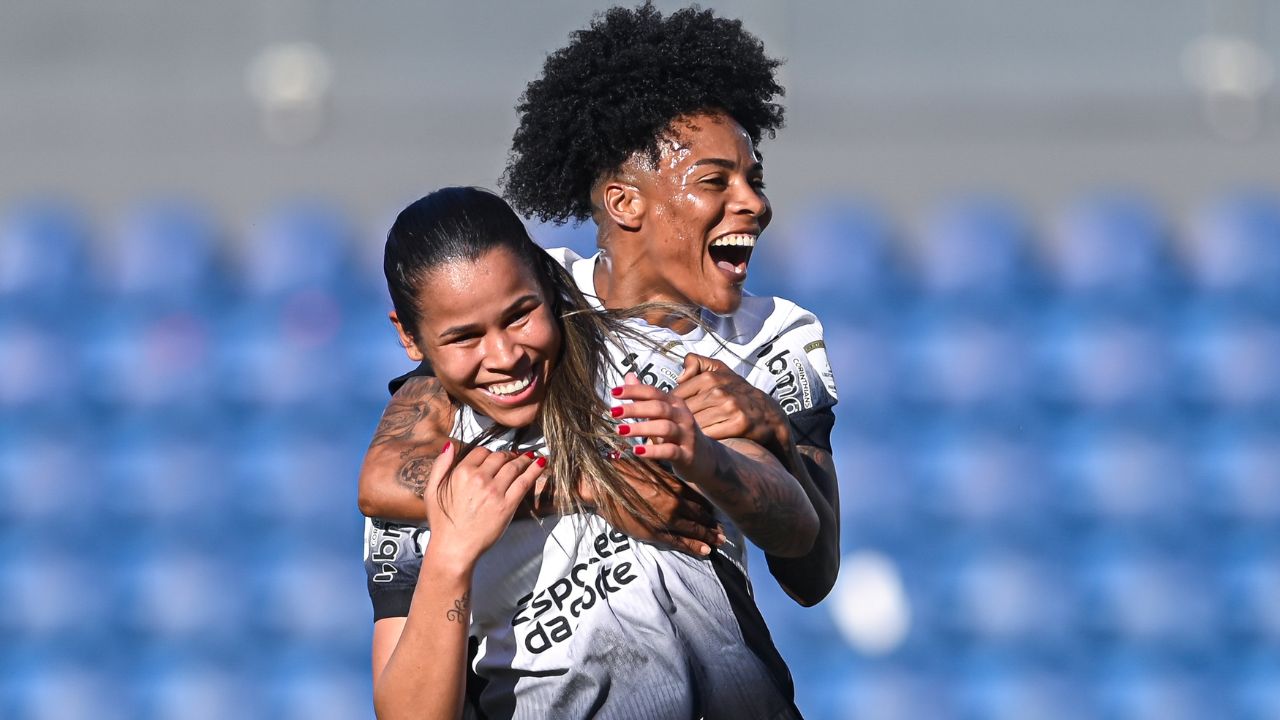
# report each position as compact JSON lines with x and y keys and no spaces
{"x":775,"y":344}
{"x":574,"y":619}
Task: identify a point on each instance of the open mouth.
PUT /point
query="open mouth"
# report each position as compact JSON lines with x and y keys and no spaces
{"x":731,"y":253}
{"x":513,"y":391}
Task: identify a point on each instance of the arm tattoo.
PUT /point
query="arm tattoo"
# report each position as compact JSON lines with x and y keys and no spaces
{"x":767,"y":511}
{"x":416,"y":401}
{"x":461,"y":610}
{"x":415,"y":470}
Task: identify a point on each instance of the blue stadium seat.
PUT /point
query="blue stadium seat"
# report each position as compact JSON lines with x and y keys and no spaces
{"x":1126,"y":474}
{"x":1004,"y":685}
{"x":43,"y":466}
{"x":1234,"y":255}
{"x":53,"y":690}
{"x":313,"y":687}
{"x":969,"y":363}
{"x":1006,"y":597}
{"x":836,"y":258}
{"x":978,"y":252}
{"x":877,"y":499}
{"x":301,"y":245}
{"x":167,"y":251}
{"x":1255,"y":691}
{"x":1112,"y":250}
{"x":1131,"y":683}
{"x":1250,"y":581}
{"x":987,"y":476}
{"x":1117,"y":365}
{"x":865,"y":357}
{"x":186,"y":687}
{"x":311,"y":599}
{"x":44,"y":258}
{"x":155,"y":358}
{"x":1231,"y":358}
{"x":41,"y":375}
{"x":1239,"y":472}
{"x":1147,"y":596}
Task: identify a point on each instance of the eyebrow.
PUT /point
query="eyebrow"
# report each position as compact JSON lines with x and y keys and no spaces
{"x":456,"y":330}
{"x":729,"y":164}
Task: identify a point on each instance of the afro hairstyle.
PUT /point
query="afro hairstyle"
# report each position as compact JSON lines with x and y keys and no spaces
{"x":615,"y":89}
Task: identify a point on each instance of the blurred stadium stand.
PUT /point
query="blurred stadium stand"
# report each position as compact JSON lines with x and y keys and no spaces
{"x":1060,"y":462}
{"x":1043,"y":239}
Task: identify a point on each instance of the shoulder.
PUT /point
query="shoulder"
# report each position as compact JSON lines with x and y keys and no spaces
{"x":564,"y":256}
{"x":654,"y":354}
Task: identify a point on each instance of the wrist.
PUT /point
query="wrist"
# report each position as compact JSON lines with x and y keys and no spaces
{"x":449,"y":560}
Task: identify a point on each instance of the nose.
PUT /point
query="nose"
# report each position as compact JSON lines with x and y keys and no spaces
{"x":502,"y":352}
{"x":750,"y":200}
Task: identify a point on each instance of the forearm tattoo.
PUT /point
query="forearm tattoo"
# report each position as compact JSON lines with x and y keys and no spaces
{"x":461,"y":610}
{"x":415,"y":468}
{"x":768,"y":511}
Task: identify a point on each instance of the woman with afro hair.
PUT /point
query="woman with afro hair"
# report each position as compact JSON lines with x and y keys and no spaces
{"x":648,"y":126}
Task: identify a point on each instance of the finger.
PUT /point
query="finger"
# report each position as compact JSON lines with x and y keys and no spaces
{"x":723,"y":428}
{"x":666,"y":451}
{"x":440,"y":467}
{"x":494,"y":462}
{"x":513,"y":467}
{"x":631,"y":379}
{"x":643,"y":409}
{"x":708,"y":534}
{"x":662,"y":427}
{"x":523,"y":482}
{"x":474,"y":457}
{"x":638,"y":391}
{"x":697,"y":385}
{"x":694,"y":364}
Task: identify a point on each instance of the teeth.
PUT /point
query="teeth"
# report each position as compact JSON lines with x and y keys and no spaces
{"x":735,"y":240}
{"x":510,"y":388}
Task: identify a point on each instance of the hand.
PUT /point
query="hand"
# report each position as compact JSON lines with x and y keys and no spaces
{"x":470,"y":512}
{"x":674,"y":434}
{"x":688,"y":523}
{"x":727,"y":406}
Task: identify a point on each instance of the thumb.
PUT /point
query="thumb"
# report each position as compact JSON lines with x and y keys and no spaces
{"x":441,"y":466}
{"x":693,"y":365}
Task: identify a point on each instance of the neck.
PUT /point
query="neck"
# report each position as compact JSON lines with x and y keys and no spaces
{"x":622,"y":284}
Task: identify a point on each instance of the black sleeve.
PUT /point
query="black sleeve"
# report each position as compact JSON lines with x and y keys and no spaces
{"x":812,"y":426}
{"x":423,"y":370}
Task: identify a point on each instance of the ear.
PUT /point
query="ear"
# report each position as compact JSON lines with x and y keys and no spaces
{"x":622,"y":203}
{"x":410,"y":347}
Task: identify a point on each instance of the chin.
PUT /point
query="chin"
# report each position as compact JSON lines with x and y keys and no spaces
{"x":725,"y":303}
{"x":514,"y":417}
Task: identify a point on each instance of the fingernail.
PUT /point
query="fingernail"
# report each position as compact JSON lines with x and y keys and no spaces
{"x":542,"y":462}
{"x":616,"y":392}
{"x":614,"y":455}
{"x":531,"y":454}
{"x":639,"y":449}
{"x":446,"y":446}
{"x":721,"y":539}
{"x":624,"y":429}
{"x":705,"y":550}
{"x":616,"y":412}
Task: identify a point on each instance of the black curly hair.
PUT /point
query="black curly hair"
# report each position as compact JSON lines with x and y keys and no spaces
{"x":615,"y":89}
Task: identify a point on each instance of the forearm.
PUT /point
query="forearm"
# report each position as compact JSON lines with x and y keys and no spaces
{"x":426,"y":674}
{"x":808,"y":579}
{"x":409,"y":436}
{"x":767,"y":503}
{"x":392,"y":479}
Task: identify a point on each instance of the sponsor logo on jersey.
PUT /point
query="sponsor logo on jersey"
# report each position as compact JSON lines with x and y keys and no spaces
{"x":391,"y":542}
{"x":817,"y":352}
{"x":660,"y":377}
{"x":550,"y":615}
{"x":791,"y":388}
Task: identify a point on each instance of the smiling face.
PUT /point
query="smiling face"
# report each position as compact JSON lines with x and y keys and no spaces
{"x":489,"y":333}
{"x":703,"y":209}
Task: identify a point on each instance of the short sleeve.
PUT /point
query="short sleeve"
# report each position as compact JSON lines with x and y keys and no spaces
{"x":423,"y":370}
{"x":801,"y":379}
{"x":392,"y":561}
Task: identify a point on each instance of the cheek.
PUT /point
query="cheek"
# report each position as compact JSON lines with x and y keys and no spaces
{"x":453,"y":368}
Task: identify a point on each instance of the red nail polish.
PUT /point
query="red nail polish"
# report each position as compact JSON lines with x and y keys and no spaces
{"x":639,"y":449}
{"x":616,"y":412}
{"x":614,"y":455}
{"x":531,"y":454}
{"x":616,"y":392}
{"x":446,"y":446}
{"x":624,"y":429}
{"x":542,"y":462}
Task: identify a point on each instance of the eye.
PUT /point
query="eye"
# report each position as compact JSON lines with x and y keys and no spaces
{"x":757,"y":183}
{"x":520,"y":316}
{"x":716,"y":181}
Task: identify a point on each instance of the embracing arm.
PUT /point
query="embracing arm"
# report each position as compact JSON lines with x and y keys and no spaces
{"x":414,"y":426}
{"x":743,"y":479}
{"x":727,"y":406}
